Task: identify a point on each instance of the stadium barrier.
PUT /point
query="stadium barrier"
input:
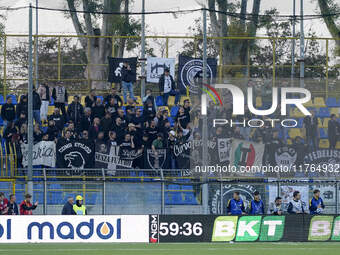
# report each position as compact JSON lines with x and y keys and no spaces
{"x":169,"y":228}
{"x":269,"y":228}
{"x":152,"y":191}
{"x":74,"y":229}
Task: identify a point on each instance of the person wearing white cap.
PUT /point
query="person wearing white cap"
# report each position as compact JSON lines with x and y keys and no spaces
{"x":170,"y":144}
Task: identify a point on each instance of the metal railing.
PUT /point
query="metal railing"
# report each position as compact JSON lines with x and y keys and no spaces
{"x":151,"y":191}
{"x":272,"y":69}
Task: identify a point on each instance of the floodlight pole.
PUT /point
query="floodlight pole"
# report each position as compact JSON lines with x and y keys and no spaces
{"x":205,"y":188}
{"x":293,"y":44}
{"x":143,"y":51}
{"x":30,"y":106}
{"x":36,"y":45}
{"x":302,"y":48}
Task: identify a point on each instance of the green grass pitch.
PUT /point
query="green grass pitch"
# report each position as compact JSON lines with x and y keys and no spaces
{"x":173,"y":249}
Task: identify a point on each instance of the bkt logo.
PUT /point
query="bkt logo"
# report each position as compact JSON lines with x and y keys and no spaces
{"x":49,"y":230}
{"x":239,"y":100}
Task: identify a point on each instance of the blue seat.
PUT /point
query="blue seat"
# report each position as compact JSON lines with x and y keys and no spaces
{"x":323,"y":133}
{"x":91,"y":198}
{"x":2,"y":100}
{"x":172,"y":121}
{"x":300,"y":123}
{"x":323,"y":112}
{"x":55,"y":186}
{"x":67,"y":195}
{"x":101,"y":97}
{"x":168,"y":200}
{"x":331,"y":102}
{"x":51,"y":101}
{"x":187,"y":187}
{"x":19,"y":196}
{"x":38,"y":196}
{"x":1,"y":122}
{"x":14,"y":99}
{"x":159,"y":101}
{"x":174,"y":187}
{"x":19,"y":186}
{"x":140,"y":108}
{"x":177,"y":198}
{"x":173,"y":111}
{"x":38,"y":186}
{"x":55,"y":198}
{"x":190,"y":199}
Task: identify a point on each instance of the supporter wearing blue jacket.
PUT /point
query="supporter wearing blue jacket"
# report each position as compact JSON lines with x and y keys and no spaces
{"x":236,"y":205}
{"x":256,"y":205}
{"x":316,"y":204}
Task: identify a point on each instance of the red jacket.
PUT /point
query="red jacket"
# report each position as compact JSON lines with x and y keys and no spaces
{"x":3,"y":205}
{"x":26,"y":208}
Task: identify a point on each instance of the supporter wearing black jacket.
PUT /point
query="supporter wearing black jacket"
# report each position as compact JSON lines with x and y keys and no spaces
{"x":52,"y":131}
{"x":311,"y":126}
{"x":111,"y":106}
{"x":98,"y":111}
{"x":12,"y":206}
{"x":86,"y":120}
{"x":118,"y":100}
{"x":21,"y":120}
{"x":182,"y":119}
{"x":94,"y":129}
{"x":271,"y":147}
{"x":119,"y":129}
{"x":22,"y":107}
{"x":149,"y":111}
{"x":36,"y":106}
{"x":167,"y":87}
{"x":68,"y":207}
{"x":106,"y":124}
{"x":8,"y":111}
{"x":120,"y":114}
{"x":91,"y":99}
{"x":152,"y":131}
{"x":138,"y":119}
{"x":75,"y":111}
{"x":58,"y":119}
{"x":333,"y":131}
{"x":10,"y":132}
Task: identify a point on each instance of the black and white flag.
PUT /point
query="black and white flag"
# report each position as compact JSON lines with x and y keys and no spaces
{"x":155,"y":68}
{"x":75,"y":154}
{"x":108,"y":157}
{"x":115,"y":68}
{"x":156,"y":159}
{"x":190,"y":72}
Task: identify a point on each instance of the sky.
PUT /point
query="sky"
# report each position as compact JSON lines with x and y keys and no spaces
{"x":55,"y":23}
{"x":164,"y":24}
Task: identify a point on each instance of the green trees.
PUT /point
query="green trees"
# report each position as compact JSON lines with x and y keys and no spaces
{"x":328,"y":7}
{"x":92,"y":24}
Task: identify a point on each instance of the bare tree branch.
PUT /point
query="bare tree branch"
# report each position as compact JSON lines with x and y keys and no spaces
{"x":255,"y":19}
{"x":76,"y":23}
{"x":87,"y":18}
{"x":213,"y":17}
{"x":329,"y":20}
{"x":243,"y":13}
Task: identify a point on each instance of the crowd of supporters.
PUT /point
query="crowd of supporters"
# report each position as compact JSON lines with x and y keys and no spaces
{"x":109,"y":118}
